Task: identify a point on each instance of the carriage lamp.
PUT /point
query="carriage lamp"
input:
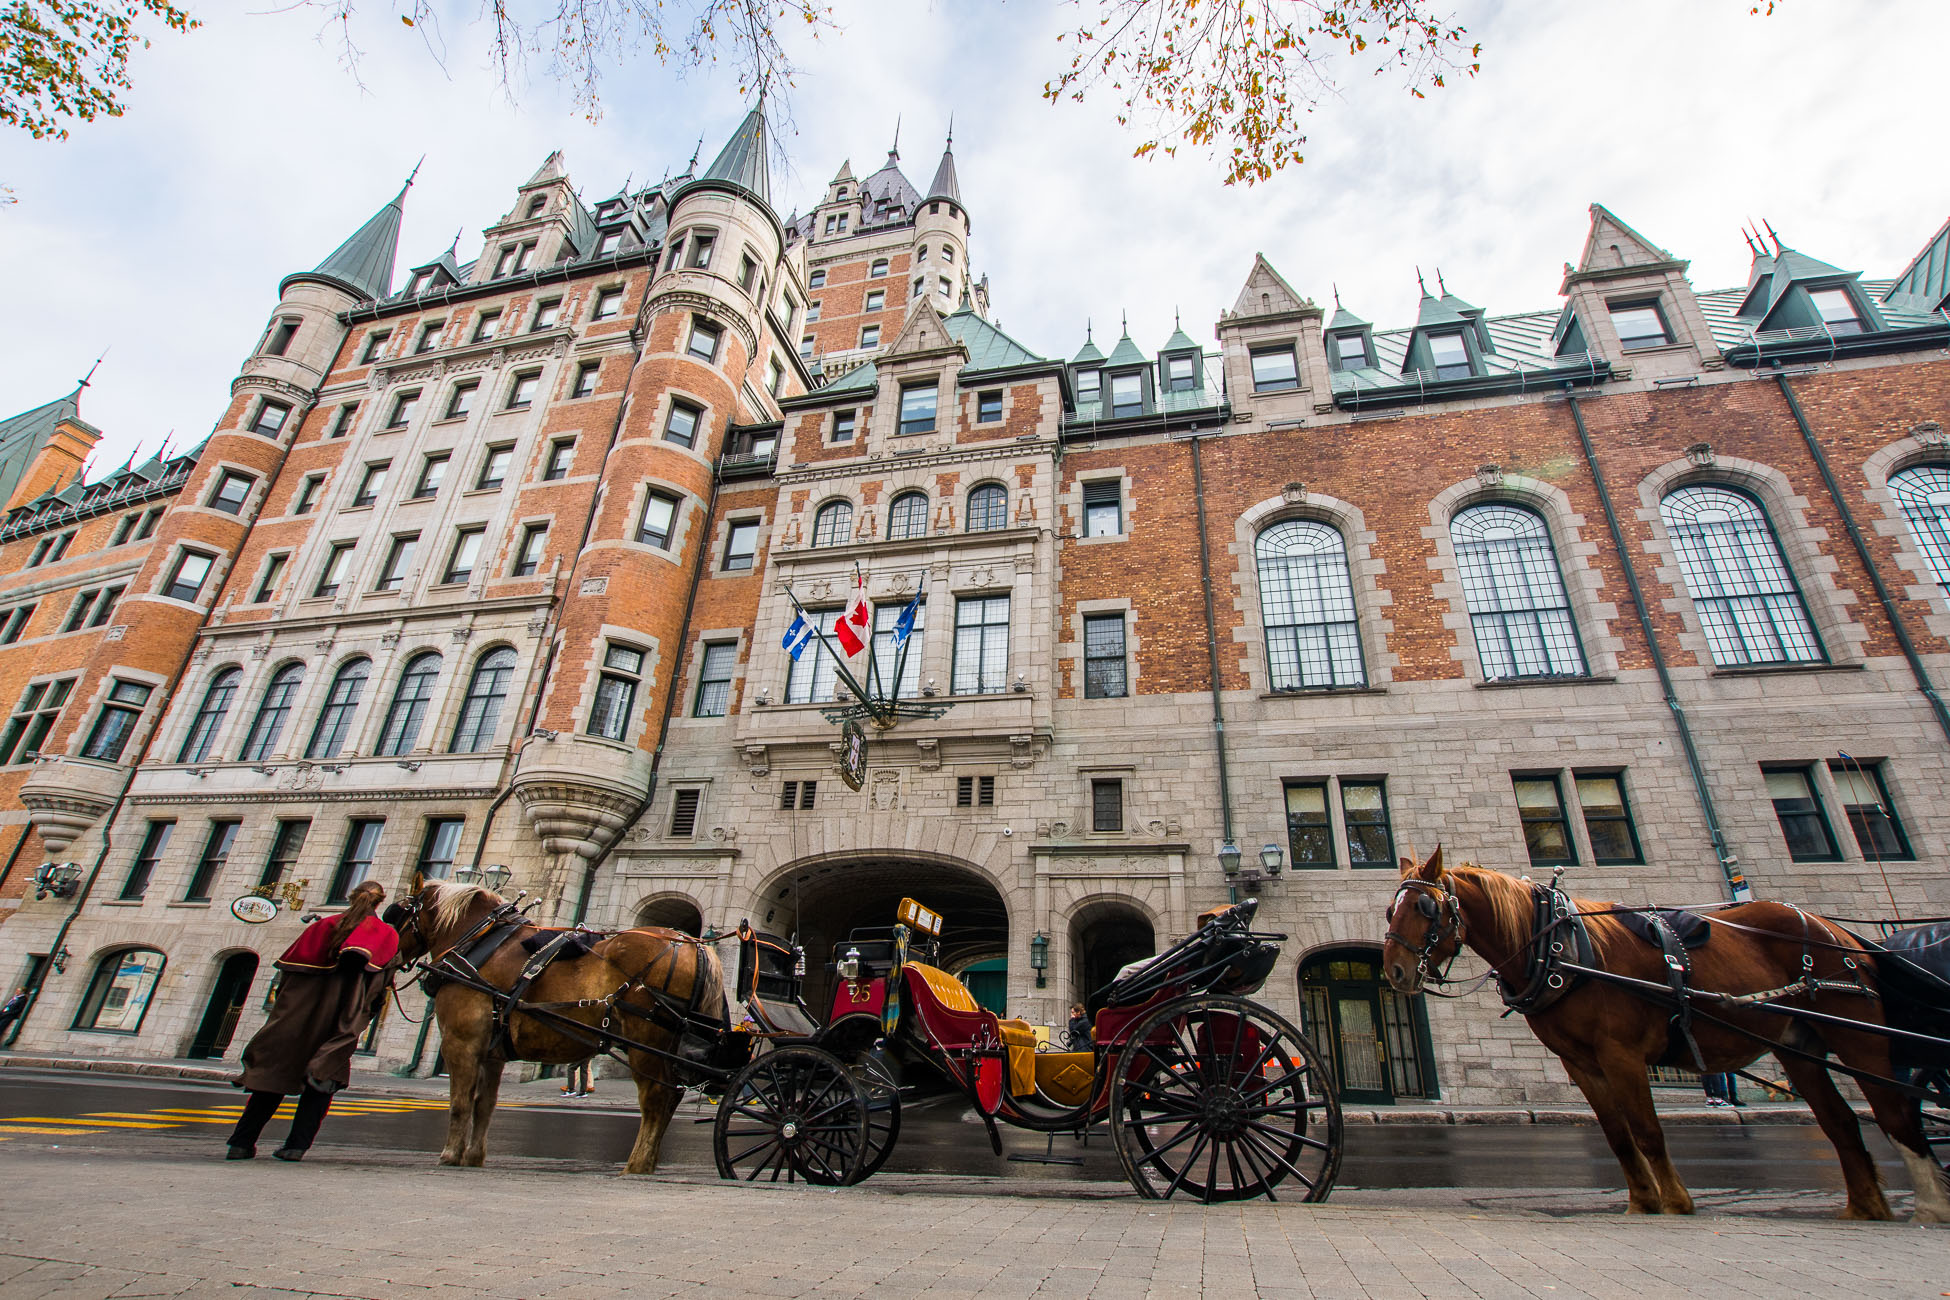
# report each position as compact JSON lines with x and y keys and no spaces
{"x":1229,"y":860}
{"x":1270,"y":858}
{"x":60,"y":879}
{"x":1039,"y":957}
{"x":849,"y":966}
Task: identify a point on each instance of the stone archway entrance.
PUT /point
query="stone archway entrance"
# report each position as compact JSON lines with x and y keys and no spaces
{"x":679,"y":914}
{"x":1106,"y":936}
{"x":225,"y":1007}
{"x":1377,"y":1039}
{"x":821,"y":901}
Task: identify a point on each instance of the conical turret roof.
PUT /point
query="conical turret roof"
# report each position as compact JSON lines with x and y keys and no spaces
{"x":944,"y":185}
{"x":742,"y":162}
{"x":363,"y":264}
{"x":1089,"y":352}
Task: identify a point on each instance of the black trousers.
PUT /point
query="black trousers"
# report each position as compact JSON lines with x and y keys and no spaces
{"x":312,"y":1105}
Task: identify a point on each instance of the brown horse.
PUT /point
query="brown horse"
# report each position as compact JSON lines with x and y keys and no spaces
{"x":1607,"y":1036}
{"x":618,"y":979}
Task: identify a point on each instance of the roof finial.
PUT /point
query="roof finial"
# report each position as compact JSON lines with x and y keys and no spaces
{"x":1087,"y":328}
{"x":1771,"y":235}
{"x":1420,"y":283}
{"x":895,"y":152}
{"x":454,"y":247}
{"x":415,"y":172}
{"x":91,"y":372}
{"x":1177,"y":319}
{"x":1337,"y":295}
{"x":951,"y":132}
{"x":1439,"y":284}
{"x":1127,"y":324}
{"x":692,"y":169}
{"x":1746,"y":237}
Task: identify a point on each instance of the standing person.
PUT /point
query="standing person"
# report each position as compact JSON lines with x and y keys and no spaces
{"x":334,"y":977}
{"x":11,"y":1011}
{"x":1719,"y":1089}
{"x":1078,"y":1037}
{"x":582,"y":1078}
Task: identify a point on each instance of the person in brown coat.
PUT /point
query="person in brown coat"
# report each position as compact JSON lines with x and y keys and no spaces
{"x":334,"y":978}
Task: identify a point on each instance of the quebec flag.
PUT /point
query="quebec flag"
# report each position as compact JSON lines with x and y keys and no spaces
{"x":797,"y":635}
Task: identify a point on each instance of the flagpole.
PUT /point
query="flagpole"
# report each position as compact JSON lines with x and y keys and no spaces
{"x":900,"y":660}
{"x":839,"y":661}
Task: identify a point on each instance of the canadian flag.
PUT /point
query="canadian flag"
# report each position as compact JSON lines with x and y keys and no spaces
{"x":852,"y":627}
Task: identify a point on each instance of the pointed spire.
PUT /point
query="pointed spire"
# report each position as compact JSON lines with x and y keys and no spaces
{"x":1771,"y":235}
{"x":1439,"y":284}
{"x":742,"y":163}
{"x":894,"y":154}
{"x":363,"y":264}
{"x":1422,"y":284}
{"x":550,"y":170}
{"x":945,"y":185}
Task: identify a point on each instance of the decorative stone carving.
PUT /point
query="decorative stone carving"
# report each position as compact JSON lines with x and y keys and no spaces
{"x":1489,"y":475}
{"x":593,"y":586}
{"x":117,"y":632}
{"x":1021,"y":752}
{"x":821,"y":590}
{"x":390,"y":637}
{"x":1929,"y":433}
{"x":930,"y":754}
{"x":1294,"y":494}
{"x":302,"y":777}
{"x":885,"y":794}
{"x":1701,"y":454}
{"x":724,"y":834}
{"x":758,"y":759}
{"x":902,"y":583}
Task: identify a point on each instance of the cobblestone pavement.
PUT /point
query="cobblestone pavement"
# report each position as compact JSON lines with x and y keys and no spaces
{"x":151,"y":1220}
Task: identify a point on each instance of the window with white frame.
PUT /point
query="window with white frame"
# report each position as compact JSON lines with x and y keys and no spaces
{"x":1745,"y":595}
{"x":659,"y":520}
{"x":616,"y":688}
{"x":1306,"y":603}
{"x":981,"y":663}
{"x":714,"y":680}
{"x":1518,"y":606}
{"x":888,"y":645}
{"x":811,"y":679}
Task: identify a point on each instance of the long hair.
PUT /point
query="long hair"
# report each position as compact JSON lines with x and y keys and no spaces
{"x":364,"y":903}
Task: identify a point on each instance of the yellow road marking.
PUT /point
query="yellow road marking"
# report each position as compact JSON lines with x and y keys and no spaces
{"x":51,"y":1132}
{"x":76,"y":1119}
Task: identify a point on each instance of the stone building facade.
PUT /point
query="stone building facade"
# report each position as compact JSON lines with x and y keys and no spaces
{"x":1650,"y":585}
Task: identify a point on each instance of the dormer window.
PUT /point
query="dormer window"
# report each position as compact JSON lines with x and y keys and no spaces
{"x":536,"y":204}
{"x":1838,"y":310}
{"x":1350,"y":351}
{"x":1090,"y":385}
{"x":524,"y":256}
{"x":1275,"y":369}
{"x":1127,"y":394}
{"x":1639,"y":325}
{"x":609,"y":243}
{"x":1449,"y":355}
{"x":1178,"y":375}
{"x":839,"y":194}
{"x":421,"y":280}
{"x":878,"y":269}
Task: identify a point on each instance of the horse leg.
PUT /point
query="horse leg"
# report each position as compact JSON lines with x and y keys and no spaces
{"x":1844,"y":1132}
{"x":656,"y":1103}
{"x":1901,"y":1121}
{"x":487,"y":1088}
{"x":463,"y":1074}
{"x":1641,"y":1191}
{"x":1631,"y":1092}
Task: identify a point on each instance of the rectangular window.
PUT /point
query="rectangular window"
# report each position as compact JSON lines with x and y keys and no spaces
{"x":40,"y":705}
{"x":681,"y":426}
{"x":119,"y":715}
{"x":60,"y":547}
{"x":1127,"y":394}
{"x":1104,"y":675}
{"x":1607,"y":817}
{"x":1309,"y":836}
{"x":1178,"y":375}
{"x":16,"y":623}
{"x":487,"y":326}
{"x":876,"y":300}
{"x":467,"y":549}
{"x":774,"y":376}
{"x":704,"y":341}
{"x":429,"y":336}
{"x":1275,"y":370}
{"x":187,"y":579}
{"x":463,"y":399}
{"x":586,"y":376}
{"x":741,"y":546}
{"x":947,"y":289}
{"x":981,"y":664}
{"x":547,"y":314}
{"x":1838,"y":310}
{"x":528,"y":557}
{"x":920,"y":286}
{"x":78,"y":614}
{"x":375,"y":343}
{"x":1350,"y":351}
{"x":267,"y":585}
{"x":147,"y":858}
{"x":123,"y":529}
{"x":747,"y":271}
{"x":523,"y":256}
{"x":1449,"y":355}
{"x":918,"y":407}
{"x":714,"y":680}
{"x":1871,"y":815}
{"x":231,"y":491}
{"x":609,"y":302}
{"x":887,"y":654}
{"x":1639,"y":325}
{"x":355,"y":860}
{"x":683,"y":814}
{"x":270,"y":419}
{"x":1103,"y":508}
{"x":609,"y":243}
{"x":307,"y":497}
{"x":870,"y":336}
{"x":403,"y":409}
{"x":1803,"y":823}
{"x":504,"y":263}
{"x":148,"y":525}
{"x":806,"y":348}
{"x":105,"y":606}
{"x":432,"y":472}
{"x":398,"y":560}
{"x":843,"y":422}
{"x":813,"y":307}
{"x":1546,"y":832}
{"x":1106,"y":805}
{"x":1090,"y":385}
{"x":494,"y":469}
{"x":216,"y":853}
{"x":701,"y":247}
{"x":1364,"y":811}
{"x":521,"y":395}
{"x":798,"y":795}
{"x":440,"y":846}
{"x":811,"y":679}
{"x":974,"y":792}
{"x":372,"y":484}
{"x":659,"y":517}
{"x":337,"y":560}
{"x":616,"y":692}
{"x":817,"y":280}
{"x":342,"y":424}
{"x":286,"y":845}
{"x":988,"y":407}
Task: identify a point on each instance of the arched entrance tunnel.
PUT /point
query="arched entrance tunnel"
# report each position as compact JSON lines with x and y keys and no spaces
{"x":823,"y":901}
{"x":679,"y":914}
{"x":1106,"y":936}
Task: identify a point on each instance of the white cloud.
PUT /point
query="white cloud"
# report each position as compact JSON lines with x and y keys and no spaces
{"x":248,"y":153}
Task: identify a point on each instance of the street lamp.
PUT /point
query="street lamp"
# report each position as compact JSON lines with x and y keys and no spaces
{"x":491,"y":878}
{"x":1229,"y":860}
{"x":60,"y":879}
{"x":1269,"y":860}
{"x":1039,"y":957}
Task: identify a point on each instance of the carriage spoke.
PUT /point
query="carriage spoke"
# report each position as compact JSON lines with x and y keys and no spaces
{"x":1288,"y":1165}
{"x":1287,"y":1135}
{"x":753,"y":1150}
{"x":1260,"y":1176}
{"x":1157,"y":1153}
{"x":1186,"y":1168}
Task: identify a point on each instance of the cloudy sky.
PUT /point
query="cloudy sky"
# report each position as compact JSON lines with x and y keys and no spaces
{"x":249,"y":152}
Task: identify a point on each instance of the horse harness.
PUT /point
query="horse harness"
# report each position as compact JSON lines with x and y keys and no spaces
{"x":1558,"y":938}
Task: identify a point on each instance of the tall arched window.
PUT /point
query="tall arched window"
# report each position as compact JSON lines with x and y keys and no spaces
{"x":988,"y":507}
{"x":272,"y":713}
{"x":335,"y":719}
{"x":480,"y":713}
{"x":908,"y":517}
{"x":1746,"y":598}
{"x":409,"y":709}
{"x":1923,"y":491}
{"x":118,"y":995}
{"x":833,"y":525}
{"x":1306,"y":600}
{"x":1517,"y":604}
{"x":216,"y":706}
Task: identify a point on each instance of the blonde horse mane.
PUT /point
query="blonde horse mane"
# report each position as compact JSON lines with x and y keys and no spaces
{"x":450,"y":901}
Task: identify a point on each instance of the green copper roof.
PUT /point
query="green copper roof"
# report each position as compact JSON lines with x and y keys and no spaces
{"x":1178,"y":342}
{"x":861,"y":377}
{"x":742,"y":161}
{"x":1126,"y":353}
{"x":1925,"y":282}
{"x":988,"y":347}
{"x":944,"y":185}
{"x":1088,"y":353}
{"x":1345,"y":320}
{"x":22,"y":437}
{"x":1438,"y":311}
{"x":363,"y":264}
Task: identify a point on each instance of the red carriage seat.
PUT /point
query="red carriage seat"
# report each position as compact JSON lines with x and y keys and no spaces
{"x":952,"y":1014}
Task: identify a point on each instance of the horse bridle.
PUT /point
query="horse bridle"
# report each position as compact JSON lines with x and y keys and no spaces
{"x":1444,"y":915}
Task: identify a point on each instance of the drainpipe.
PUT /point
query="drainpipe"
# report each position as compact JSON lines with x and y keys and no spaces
{"x":1212,"y":651}
{"x":1736,"y":880}
{"x":1889,"y":610}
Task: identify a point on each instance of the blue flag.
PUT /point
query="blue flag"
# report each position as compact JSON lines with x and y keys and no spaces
{"x":904,"y":624}
{"x":797,"y":635}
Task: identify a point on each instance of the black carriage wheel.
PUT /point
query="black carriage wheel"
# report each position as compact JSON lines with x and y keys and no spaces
{"x":1936,"y":1116}
{"x":1222,"y":1100}
{"x":793,"y":1113}
{"x":876,"y":1077}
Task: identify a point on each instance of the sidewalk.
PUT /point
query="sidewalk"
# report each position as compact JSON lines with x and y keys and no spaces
{"x":1675,"y":1107}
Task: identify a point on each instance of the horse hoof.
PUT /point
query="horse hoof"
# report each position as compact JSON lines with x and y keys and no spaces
{"x":1859,"y":1214}
{"x":1926,"y":1215}
{"x":446,"y":1159}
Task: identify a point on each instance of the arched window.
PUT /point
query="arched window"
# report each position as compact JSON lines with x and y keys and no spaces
{"x":908,"y":517}
{"x":1746,"y":598}
{"x":1923,"y":492}
{"x":480,"y":713}
{"x":335,"y":719}
{"x":272,"y":712}
{"x":988,"y":507}
{"x":216,"y":705}
{"x":1306,"y":601}
{"x":1517,"y":604}
{"x":409,"y":710}
{"x":833,"y":525}
{"x":118,"y":995}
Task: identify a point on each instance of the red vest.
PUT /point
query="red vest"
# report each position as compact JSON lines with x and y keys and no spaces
{"x":372,"y":937}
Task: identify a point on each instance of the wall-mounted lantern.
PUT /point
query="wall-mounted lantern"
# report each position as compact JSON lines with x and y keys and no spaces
{"x":1039,"y":958}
